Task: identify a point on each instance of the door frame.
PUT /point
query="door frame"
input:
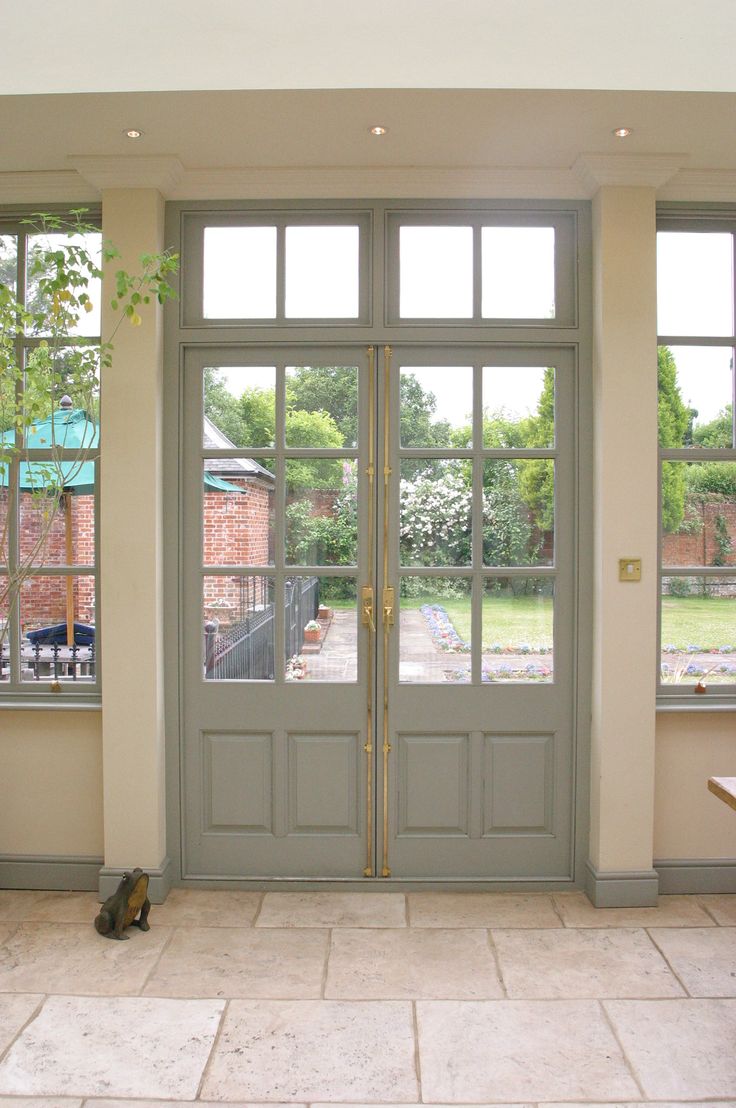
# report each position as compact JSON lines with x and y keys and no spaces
{"x":178,"y":337}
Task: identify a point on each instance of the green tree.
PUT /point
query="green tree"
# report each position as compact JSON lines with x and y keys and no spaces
{"x":329,"y":389}
{"x":718,"y":432}
{"x":674,"y":419}
{"x":537,"y":476}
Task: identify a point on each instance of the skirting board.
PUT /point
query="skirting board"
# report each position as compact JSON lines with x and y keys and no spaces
{"x":161,"y":880}
{"x":697,"y":875}
{"x":55,"y":873}
{"x":634,"y":889}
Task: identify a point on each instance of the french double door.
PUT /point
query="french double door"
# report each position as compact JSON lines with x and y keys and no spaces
{"x":377,"y":612}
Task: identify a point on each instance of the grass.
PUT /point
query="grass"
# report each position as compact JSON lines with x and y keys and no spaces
{"x":706,"y":622}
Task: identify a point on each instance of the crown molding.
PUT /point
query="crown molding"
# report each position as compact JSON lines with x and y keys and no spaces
{"x":115,"y":172}
{"x":339,"y":182}
{"x":90,"y":176}
{"x":595,"y":171}
{"x":64,"y":187}
{"x":701,"y":185}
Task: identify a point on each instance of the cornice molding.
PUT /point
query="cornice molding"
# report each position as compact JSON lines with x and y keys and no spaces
{"x":64,"y":187}
{"x":342,"y":182}
{"x":595,"y":171}
{"x":701,"y":185}
{"x":90,"y":176}
{"x":115,"y":172}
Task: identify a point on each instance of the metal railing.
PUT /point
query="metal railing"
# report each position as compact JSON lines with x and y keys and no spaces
{"x":244,"y":651}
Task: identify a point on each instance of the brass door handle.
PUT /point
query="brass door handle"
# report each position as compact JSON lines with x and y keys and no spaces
{"x":389,"y":603}
{"x":367,"y":608}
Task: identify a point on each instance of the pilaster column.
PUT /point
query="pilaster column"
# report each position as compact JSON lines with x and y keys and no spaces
{"x":625,"y":526}
{"x":131,"y":562}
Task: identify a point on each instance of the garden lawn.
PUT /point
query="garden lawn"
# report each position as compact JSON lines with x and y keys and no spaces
{"x":507,"y":620}
{"x":708,"y":622}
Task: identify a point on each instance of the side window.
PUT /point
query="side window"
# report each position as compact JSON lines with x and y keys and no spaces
{"x":695,"y":360}
{"x":49,"y":461}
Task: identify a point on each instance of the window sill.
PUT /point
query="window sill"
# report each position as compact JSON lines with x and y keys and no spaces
{"x":696,"y":703}
{"x":51,"y":704}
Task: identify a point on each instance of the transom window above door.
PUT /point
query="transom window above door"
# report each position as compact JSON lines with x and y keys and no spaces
{"x":276,"y":268}
{"x":456,"y":268}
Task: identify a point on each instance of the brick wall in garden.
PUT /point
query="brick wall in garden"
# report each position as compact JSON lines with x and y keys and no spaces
{"x":237,"y":530}
{"x":698,"y":545}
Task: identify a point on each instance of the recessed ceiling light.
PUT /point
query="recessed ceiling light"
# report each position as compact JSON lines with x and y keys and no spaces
{"x":378,"y":130}
{"x":133,"y":133}
{"x":622,"y":132}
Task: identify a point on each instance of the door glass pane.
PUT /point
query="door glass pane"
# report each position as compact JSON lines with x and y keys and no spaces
{"x":9,"y":261}
{"x":58,"y":530}
{"x":434,"y":630}
{"x":238,"y":511}
{"x":238,"y":628}
{"x":698,"y":630}
{"x":239,"y":273}
{"x":518,"y":512}
{"x":322,"y":272}
{"x":239,"y":407}
{"x":322,"y":406}
{"x":436,"y":272}
{"x":321,"y":629}
{"x":518,"y":272}
{"x":436,"y":406}
{"x":694,"y":283}
{"x":435,"y":512}
{"x":698,"y":514}
{"x":518,"y":406}
{"x":695,"y":396}
{"x":321,"y":511}
{"x":38,"y":267}
{"x":49,"y":608}
{"x":517,"y":631}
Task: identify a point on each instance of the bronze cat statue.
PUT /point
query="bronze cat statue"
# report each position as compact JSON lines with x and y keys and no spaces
{"x":120,"y":910}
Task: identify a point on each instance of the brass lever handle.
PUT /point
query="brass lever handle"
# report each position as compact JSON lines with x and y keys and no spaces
{"x":367,"y":607}
{"x":388,"y":607}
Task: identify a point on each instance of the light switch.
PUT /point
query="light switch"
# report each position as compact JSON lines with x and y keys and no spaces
{"x":629,"y":569}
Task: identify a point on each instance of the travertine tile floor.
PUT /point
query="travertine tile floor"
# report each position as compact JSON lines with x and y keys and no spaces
{"x":368,"y":999}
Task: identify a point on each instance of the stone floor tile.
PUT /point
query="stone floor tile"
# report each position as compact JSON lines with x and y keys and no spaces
{"x":671,"y":911}
{"x":28,"y":906}
{"x":574,"y":964}
{"x":411,"y":964}
{"x":132,"y":1046}
{"x":679,"y":1049}
{"x":640,"y":1104}
{"x":721,"y":906}
{"x":310,"y":1050}
{"x":508,"y":1050}
{"x":72,"y":958}
{"x":482,"y":910}
{"x":109,"y":1102}
{"x":207,"y":908}
{"x":14,"y":1011}
{"x":45,"y":1102}
{"x":332,"y":910}
{"x":242,"y":962}
{"x":703,"y":958}
{"x":495,"y":1105}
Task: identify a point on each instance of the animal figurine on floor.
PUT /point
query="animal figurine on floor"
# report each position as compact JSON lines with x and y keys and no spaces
{"x":120,"y":910}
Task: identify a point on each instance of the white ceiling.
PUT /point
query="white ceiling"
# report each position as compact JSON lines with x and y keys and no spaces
{"x":109,"y":46}
{"x":286,"y":85}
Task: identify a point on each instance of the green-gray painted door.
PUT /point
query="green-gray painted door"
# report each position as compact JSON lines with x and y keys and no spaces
{"x":467,"y":768}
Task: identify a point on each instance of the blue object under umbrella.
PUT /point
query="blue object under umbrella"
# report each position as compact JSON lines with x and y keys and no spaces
{"x":84,"y":635}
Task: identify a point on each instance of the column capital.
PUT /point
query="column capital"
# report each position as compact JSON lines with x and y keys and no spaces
{"x":594,"y":171}
{"x":119,"y":172}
